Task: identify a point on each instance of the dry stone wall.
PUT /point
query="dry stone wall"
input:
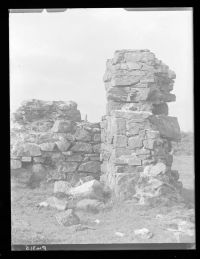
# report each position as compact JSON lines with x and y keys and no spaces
{"x":51,"y":140}
{"x":136,"y":131}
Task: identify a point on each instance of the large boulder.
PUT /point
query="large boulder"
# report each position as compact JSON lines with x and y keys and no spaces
{"x":91,"y":189}
{"x":167,"y":126}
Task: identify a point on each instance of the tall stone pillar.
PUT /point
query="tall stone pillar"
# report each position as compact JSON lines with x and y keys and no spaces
{"x":136,"y":131}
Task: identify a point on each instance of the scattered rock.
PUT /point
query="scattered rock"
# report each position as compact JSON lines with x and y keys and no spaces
{"x":56,"y":203}
{"x":143,"y":233}
{"x":82,"y":228}
{"x":67,"y":218}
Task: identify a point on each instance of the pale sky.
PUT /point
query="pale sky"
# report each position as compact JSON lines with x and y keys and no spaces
{"x":62,"y":56}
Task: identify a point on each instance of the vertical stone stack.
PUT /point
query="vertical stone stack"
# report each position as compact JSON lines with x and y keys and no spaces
{"x":136,"y":131}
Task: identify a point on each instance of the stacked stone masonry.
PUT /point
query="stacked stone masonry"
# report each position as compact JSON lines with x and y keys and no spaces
{"x":50,"y":137}
{"x":136,"y":132}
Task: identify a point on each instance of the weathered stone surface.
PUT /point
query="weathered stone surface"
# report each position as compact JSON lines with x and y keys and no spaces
{"x":97,"y":137}
{"x":161,"y":108}
{"x":46,"y":137}
{"x":91,"y":167}
{"x":82,"y":135}
{"x":67,"y":218}
{"x":27,"y":149}
{"x":95,"y":158}
{"x":82,"y":147}
{"x":137,"y":116}
{"x":152,"y":134}
{"x":167,"y":126}
{"x":125,"y":185}
{"x":118,"y":126}
{"x":62,"y":126}
{"x":155,"y":170}
{"x":117,"y":152}
{"x":47,"y":146}
{"x":91,"y":189}
{"x":15,"y":164}
{"x":39,"y":159}
{"x":63,"y":145}
{"x":126,"y":169}
{"x":74,"y":157}
{"x":128,"y":159}
{"x":120,"y":141}
{"x":135,"y":142}
{"x":45,"y":112}
{"x":136,"y":130}
{"x":68,"y":167}
{"x":26,"y":159}
{"x":149,"y":143}
{"x":96,"y":148}
{"x":38,"y":168}
{"x":175,"y":174}
{"x":112,"y":105}
{"x":61,"y":186}
{"x":56,"y":203}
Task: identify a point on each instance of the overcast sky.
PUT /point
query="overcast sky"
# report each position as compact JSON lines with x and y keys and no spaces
{"x":62,"y":56}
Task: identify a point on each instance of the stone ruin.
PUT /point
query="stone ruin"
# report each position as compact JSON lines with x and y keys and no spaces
{"x":134,"y":137}
{"x":136,"y":131}
{"x":51,"y":140}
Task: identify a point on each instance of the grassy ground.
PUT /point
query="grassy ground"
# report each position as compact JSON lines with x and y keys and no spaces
{"x":34,"y":225}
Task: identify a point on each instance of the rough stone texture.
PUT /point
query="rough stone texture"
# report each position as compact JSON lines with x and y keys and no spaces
{"x":136,"y":130}
{"x":47,"y":146}
{"x":16,"y":164}
{"x":91,"y":189}
{"x":52,"y":134}
{"x":82,"y":147}
{"x":67,"y":218}
{"x":91,"y":167}
{"x":61,"y":186}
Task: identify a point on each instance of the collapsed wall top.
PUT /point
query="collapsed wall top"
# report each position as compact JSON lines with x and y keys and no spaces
{"x":137,"y":80}
{"x":34,"y":110}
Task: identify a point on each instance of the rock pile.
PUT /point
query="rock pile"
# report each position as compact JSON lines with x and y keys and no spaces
{"x":136,"y":131}
{"x":50,"y":139}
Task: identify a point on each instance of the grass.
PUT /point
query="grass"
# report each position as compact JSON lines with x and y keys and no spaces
{"x":34,"y":225}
